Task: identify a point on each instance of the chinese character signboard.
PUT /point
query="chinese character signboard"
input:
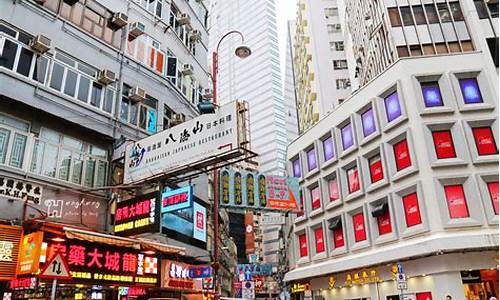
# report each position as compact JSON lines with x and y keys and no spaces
{"x":199,"y":222}
{"x":20,"y":190}
{"x":10,"y":238}
{"x":247,"y":190}
{"x":255,"y":269}
{"x":176,"y":199}
{"x":189,"y":143}
{"x":95,"y":262}
{"x":190,"y":222}
{"x":138,"y":215}
{"x":29,"y":255}
{"x":176,"y":275}
{"x":200,"y":271}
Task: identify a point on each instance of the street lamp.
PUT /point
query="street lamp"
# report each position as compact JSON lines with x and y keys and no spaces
{"x":241,"y":51}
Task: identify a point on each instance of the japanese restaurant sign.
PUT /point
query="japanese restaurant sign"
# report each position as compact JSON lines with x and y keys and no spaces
{"x":176,"y":275}
{"x":191,"y":142}
{"x":138,"y":215}
{"x":10,"y":238}
{"x":247,"y":190}
{"x":95,"y":262}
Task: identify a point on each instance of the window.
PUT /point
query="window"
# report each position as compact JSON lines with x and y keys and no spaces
{"x":402,"y":155}
{"x":456,"y":11}
{"x":353,"y":184}
{"x":481,"y":9}
{"x":443,"y":144}
{"x":142,"y":115}
{"x":303,"y":245}
{"x":368,"y":122}
{"x":384,"y":223}
{"x":347,"y":136}
{"x":392,"y":107}
{"x":333,"y":28}
{"x":394,"y":17}
{"x":418,"y":12}
{"x":153,"y":6}
{"x":406,"y":15}
{"x":311,"y":160}
{"x":328,"y":151}
{"x":376,"y":169}
{"x":431,"y":94}
{"x":333,"y":189}
{"x":343,"y":83}
{"x":331,"y":12}
{"x":13,"y":141}
{"x":338,"y":233}
{"x":492,"y":46}
{"x":470,"y":90}
{"x":455,"y":198}
{"x":444,"y":12}
{"x":403,"y":51}
{"x":493,"y":192}
{"x":340,"y":64}
{"x":338,"y":46}
{"x":493,"y":7}
{"x":296,"y":168}
{"x":485,"y":141}
{"x":147,"y":51}
{"x":412,"y":210}
{"x":301,"y":203}
{"x":431,"y":12}
{"x":320,"y":241}
{"x":315,"y":198}
{"x":358,"y":221}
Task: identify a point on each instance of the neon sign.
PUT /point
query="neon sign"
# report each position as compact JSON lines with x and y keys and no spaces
{"x":137,"y":215}
{"x":176,"y":199}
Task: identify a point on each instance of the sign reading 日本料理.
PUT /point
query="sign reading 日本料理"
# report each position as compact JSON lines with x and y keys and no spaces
{"x":193,"y":141}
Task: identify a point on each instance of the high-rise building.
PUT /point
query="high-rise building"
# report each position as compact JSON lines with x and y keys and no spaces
{"x":400,"y":182}
{"x":320,"y":64}
{"x":256,"y":79}
{"x":292,"y":126}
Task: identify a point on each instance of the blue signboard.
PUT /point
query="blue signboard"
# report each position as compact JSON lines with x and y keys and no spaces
{"x":190,"y":222}
{"x":254,"y":270}
{"x":173,"y":200}
{"x":200,"y":272}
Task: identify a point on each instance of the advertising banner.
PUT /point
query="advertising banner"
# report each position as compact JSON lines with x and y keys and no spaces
{"x":255,"y":269}
{"x":188,"y":143}
{"x":248,"y":190}
{"x":249,"y":233}
{"x":176,"y":199}
{"x":29,"y":254}
{"x":175,"y":275}
{"x":10,"y":238}
{"x":272,"y":220}
{"x":137,"y":215}
{"x":190,"y":222}
{"x":199,"y":222}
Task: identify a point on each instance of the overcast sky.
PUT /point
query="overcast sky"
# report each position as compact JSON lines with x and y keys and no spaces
{"x":285,"y":10}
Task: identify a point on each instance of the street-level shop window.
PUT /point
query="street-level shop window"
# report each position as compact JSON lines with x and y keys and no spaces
{"x":376,"y":168}
{"x":303,"y":245}
{"x":457,"y":204}
{"x":358,"y":221}
{"x":13,"y":141}
{"x":493,"y":193}
{"x":353,"y":183}
{"x":333,"y":189}
{"x":392,"y":107}
{"x":315,"y":197}
{"x":402,"y":155}
{"x":347,"y":136}
{"x":328,"y":151}
{"x":443,"y":144}
{"x":470,"y":90}
{"x":485,"y":141}
{"x":368,"y":122}
{"x":432,"y":94}
{"x":296,"y":168}
{"x":319,"y":239}
{"x":311,"y":159}
{"x":412,"y":210}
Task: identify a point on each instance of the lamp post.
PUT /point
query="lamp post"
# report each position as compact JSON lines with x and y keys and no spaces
{"x":242,"y":51}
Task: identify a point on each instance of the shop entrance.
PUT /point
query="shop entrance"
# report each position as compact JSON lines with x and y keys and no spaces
{"x":480,"y":284}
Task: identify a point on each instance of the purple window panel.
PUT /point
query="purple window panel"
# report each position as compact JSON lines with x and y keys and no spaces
{"x":432,"y":94}
{"x":392,"y":107}
{"x":311,"y":160}
{"x":328,"y":149}
{"x":296,"y":168}
{"x":368,"y":119}
{"x":347,"y":137}
{"x":470,"y":91}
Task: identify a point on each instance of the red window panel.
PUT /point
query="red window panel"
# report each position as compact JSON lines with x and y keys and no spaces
{"x":151,"y":57}
{"x":443,"y":144}
{"x":338,"y":238}
{"x":412,"y":210}
{"x":485,"y":141}
{"x":303,"y":245}
{"x":353,"y":180}
{"x":320,"y":241}
{"x":160,"y":57}
{"x":358,"y":222}
{"x":376,"y":169}
{"x":457,"y":205}
{"x":493,"y":191}
{"x":424,"y":296}
{"x":384,"y":223}
{"x":402,"y":155}
{"x":333,"y":189}
{"x":315,"y":198}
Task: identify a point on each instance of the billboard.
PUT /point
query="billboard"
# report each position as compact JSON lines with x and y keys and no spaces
{"x":176,"y":199}
{"x":190,"y":222}
{"x":255,"y":269}
{"x":176,"y":275}
{"x":189,"y":143}
{"x":137,"y":215}
{"x":29,"y":254}
{"x":247,"y":190}
{"x":249,"y":233}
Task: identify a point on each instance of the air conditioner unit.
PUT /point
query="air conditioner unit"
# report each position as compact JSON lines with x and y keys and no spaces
{"x":119,"y":19}
{"x":40,"y":43}
{"x":195,"y":35}
{"x":137,"y":94}
{"x":178,"y":119}
{"x":187,"y":69}
{"x":184,"y":19}
{"x":106,"y":76}
{"x":137,"y":28}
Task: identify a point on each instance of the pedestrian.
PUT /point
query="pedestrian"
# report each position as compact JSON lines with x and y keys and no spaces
{"x":448,"y":297}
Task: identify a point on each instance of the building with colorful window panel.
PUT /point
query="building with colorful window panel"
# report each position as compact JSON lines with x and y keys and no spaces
{"x":405,"y":170}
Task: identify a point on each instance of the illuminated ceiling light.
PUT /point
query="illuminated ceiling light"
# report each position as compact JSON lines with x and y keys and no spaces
{"x":58,"y":239}
{"x":150,"y":252}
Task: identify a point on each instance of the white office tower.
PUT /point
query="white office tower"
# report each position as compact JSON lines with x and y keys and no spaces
{"x":292,"y":127}
{"x":256,"y":79}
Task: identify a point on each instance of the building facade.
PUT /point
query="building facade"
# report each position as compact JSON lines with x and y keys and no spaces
{"x":320,"y":64}
{"x":256,"y":79}
{"x":292,"y":125}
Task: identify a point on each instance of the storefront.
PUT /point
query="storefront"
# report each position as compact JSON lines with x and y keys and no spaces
{"x":480,"y":284}
{"x":10,"y":238}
